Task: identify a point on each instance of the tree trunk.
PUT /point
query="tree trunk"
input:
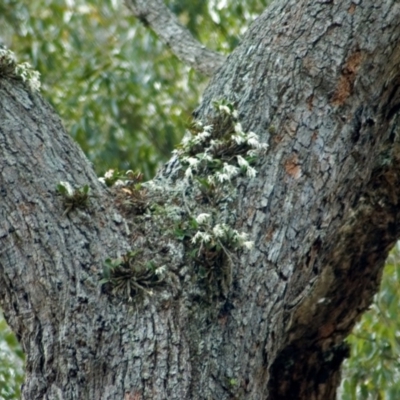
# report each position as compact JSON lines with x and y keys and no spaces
{"x":319,"y":81}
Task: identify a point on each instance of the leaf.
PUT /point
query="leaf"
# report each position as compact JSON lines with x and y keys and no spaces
{"x":62,"y":189}
{"x":85,"y":189}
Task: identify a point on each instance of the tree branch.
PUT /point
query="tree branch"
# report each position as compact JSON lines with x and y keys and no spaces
{"x":165,"y":24}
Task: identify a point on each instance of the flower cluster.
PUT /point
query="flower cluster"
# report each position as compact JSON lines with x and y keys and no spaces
{"x":115,"y":177}
{"x":7,"y":57}
{"x":219,"y":234}
{"x":23,"y":70}
{"x":28,"y":75}
{"x":221,"y":151}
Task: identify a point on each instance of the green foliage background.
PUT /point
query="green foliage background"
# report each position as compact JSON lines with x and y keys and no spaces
{"x":373,"y":370}
{"x":11,"y":363}
{"x":126,"y":100}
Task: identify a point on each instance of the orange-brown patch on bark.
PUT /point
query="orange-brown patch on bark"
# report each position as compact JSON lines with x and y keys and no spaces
{"x":278,"y":138}
{"x":314,"y":136}
{"x":310,"y":102}
{"x":269,"y":234}
{"x":132,"y":396}
{"x":250,"y":213}
{"x":310,"y":66}
{"x":326,"y":330}
{"x":352,"y":8}
{"x":345,"y":85}
{"x":292,"y":166}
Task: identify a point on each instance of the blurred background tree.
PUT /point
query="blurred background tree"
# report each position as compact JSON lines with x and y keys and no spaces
{"x":126,"y":100}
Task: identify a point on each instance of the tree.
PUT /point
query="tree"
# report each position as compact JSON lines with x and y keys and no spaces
{"x":314,"y":81}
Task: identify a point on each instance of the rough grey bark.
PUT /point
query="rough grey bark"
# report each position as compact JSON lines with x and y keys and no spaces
{"x":164,"y":23}
{"x":318,"y":80}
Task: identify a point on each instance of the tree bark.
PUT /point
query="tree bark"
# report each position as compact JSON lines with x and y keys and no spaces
{"x":165,"y":24}
{"x":319,"y":81}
